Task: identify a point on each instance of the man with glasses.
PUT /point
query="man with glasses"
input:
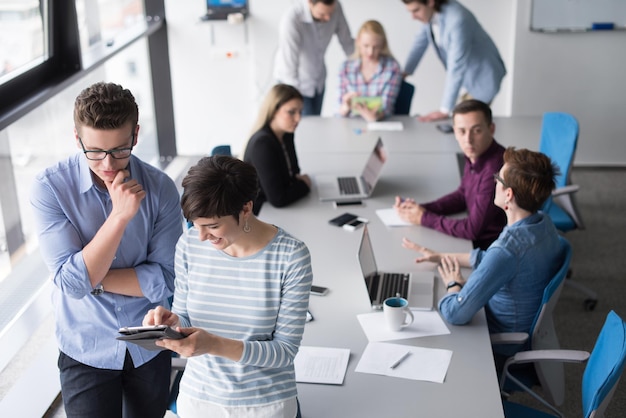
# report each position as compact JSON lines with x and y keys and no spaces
{"x":108,"y":224}
{"x":473,"y":129}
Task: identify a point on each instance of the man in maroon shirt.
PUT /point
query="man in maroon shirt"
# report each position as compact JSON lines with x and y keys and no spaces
{"x":473,"y":129}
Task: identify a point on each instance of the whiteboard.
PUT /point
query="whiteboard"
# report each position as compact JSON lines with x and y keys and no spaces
{"x":576,"y":15}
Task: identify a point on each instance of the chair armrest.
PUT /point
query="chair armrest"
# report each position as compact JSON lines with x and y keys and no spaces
{"x":508,"y":338}
{"x":569,"y":189}
{"x":179,"y":363}
{"x":565,"y":356}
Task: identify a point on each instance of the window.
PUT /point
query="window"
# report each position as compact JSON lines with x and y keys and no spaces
{"x":45,"y":135}
{"x":22,"y":41}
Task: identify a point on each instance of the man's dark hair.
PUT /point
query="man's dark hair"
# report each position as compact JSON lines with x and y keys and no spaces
{"x":326,"y":2}
{"x":438,"y":3}
{"x":473,"y":105}
{"x":218,"y":186}
{"x":105,"y":106}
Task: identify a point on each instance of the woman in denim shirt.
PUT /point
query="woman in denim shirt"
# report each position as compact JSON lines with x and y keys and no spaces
{"x":509,"y":277}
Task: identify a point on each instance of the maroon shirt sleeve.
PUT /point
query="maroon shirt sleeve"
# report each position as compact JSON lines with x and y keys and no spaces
{"x":484,"y":220}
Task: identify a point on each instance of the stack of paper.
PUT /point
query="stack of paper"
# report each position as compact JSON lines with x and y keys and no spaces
{"x":385,"y":126}
{"x":321,"y":365}
{"x":390,"y":217}
{"x":426,"y":323}
{"x":420,"y":363}
{"x":429,"y":364}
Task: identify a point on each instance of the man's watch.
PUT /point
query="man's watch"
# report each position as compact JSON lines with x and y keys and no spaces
{"x":98,"y":290}
{"x":452,"y":284}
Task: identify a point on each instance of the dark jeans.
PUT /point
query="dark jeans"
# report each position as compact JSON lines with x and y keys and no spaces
{"x":312,"y":106}
{"x":141,"y":392}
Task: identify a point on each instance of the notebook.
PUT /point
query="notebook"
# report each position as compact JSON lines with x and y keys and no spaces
{"x":418,"y":287}
{"x":359,"y":186}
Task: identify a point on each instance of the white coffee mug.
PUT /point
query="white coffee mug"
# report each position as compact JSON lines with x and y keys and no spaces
{"x":397,"y":313}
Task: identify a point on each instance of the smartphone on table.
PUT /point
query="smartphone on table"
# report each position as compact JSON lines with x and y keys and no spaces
{"x":319,"y":290}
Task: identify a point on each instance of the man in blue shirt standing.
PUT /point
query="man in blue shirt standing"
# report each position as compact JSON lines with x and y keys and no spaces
{"x":474,"y":68}
{"x":108,"y":224}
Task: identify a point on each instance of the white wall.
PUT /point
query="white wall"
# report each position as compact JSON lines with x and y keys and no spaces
{"x":579,"y":73}
{"x":216,"y":98}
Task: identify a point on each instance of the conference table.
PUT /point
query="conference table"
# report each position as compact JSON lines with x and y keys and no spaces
{"x":422,"y":164}
{"x":350,"y":135}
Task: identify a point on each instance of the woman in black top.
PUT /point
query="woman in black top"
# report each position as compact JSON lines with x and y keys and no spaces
{"x":272,"y":152}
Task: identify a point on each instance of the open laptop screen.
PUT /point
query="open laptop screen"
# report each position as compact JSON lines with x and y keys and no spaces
{"x":366,"y":255}
{"x":371,"y":172}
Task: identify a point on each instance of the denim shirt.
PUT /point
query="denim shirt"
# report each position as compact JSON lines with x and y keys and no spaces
{"x":509,"y":277}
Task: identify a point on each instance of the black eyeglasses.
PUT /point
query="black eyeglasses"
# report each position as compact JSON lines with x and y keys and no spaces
{"x":496,"y":178}
{"x":118,"y":154}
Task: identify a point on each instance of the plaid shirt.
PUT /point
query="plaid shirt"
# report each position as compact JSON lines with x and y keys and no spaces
{"x":385,"y":82}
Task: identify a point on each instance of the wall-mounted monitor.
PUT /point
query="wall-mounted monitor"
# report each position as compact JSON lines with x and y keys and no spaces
{"x":220,"y":9}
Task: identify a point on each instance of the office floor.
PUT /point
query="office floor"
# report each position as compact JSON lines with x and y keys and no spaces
{"x":599,"y":263}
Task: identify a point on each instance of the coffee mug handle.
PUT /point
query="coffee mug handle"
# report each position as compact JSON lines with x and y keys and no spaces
{"x":408,"y":317}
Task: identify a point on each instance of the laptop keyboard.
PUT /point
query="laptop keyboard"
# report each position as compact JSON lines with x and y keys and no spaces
{"x":393,"y":283}
{"x":348,"y":185}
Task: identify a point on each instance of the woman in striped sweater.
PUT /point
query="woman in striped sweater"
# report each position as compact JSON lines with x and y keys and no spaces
{"x":242,"y":291}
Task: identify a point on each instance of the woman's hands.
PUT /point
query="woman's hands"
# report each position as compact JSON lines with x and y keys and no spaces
{"x":161,"y":316}
{"x":197,"y":341}
{"x":449,"y":265}
{"x":427,"y":254}
{"x":305,"y":178}
{"x":346,"y":103}
{"x":450,"y":271}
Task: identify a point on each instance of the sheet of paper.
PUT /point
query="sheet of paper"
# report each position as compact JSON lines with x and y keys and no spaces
{"x":321,"y":365}
{"x":385,"y":126}
{"x":390,"y":217}
{"x":426,"y":323}
{"x":429,"y":364}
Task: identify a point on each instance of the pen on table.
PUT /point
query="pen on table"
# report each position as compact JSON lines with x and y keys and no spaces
{"x":400,"y":360}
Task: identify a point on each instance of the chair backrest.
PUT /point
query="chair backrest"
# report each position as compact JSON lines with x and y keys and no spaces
{"x":605,"y":366}
{"x":403,"y":101}
{"x":559,"y":138}
{"x":221,"y":150}
{"x":543,"y":335}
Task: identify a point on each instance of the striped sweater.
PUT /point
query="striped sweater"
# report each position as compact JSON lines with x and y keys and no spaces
{"x":261,"y":299}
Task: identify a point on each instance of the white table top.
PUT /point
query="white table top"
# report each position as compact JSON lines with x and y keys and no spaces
{"x":349,"y":135}
{"x":470,"y":388}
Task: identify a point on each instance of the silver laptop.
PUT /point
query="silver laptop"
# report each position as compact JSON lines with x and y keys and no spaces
{"x":356,"y":186}
{"x":418,"y":287}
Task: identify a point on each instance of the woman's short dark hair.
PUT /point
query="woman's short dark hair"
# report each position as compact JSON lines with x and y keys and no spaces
{"x":531,"y":175}
{"x":218,"y":186}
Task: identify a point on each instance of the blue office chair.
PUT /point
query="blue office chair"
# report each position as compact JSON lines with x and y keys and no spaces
{"x":604,"y":368}
{"x":403,"y":101}
{"x":559,"y":138}
{"x":221,"y":150}
{"x":549,"y":376}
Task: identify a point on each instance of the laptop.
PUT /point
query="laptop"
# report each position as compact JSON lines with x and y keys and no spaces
{"x":418,"y":288}
{"x":353,"y":187}
{"x":220,"y":9}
